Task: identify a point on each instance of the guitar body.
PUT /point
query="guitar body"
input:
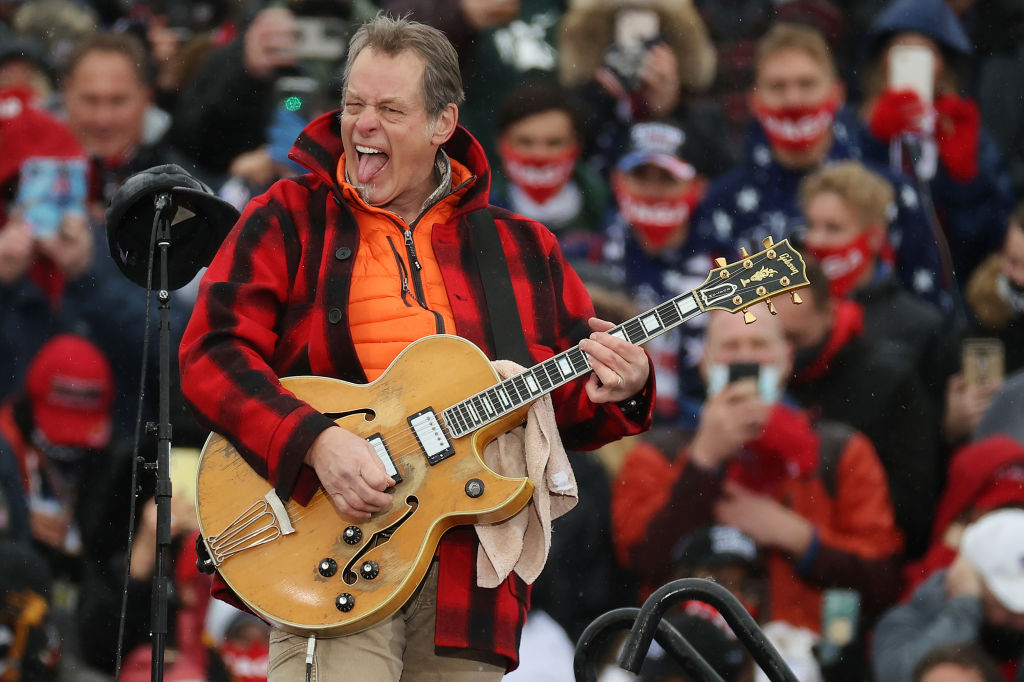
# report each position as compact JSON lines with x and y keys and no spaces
{"x":288,"y":579}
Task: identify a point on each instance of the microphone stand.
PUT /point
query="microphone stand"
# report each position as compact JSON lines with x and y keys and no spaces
{"x":161,"y":584}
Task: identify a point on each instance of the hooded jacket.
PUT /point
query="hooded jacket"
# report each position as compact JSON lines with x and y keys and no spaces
{"x":973,"y":213}
{"x":274,"y":304}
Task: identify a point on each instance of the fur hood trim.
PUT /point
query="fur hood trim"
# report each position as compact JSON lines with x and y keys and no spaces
{"x":588,"y":29}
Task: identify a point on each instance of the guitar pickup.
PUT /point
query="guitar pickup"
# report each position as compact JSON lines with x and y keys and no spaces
{"x":431,"y":436}
{"x":377,"y":441}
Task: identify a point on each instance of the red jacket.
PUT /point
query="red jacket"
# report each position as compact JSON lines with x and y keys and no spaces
{"x":273,"y":304}
{"x":659,"y":499}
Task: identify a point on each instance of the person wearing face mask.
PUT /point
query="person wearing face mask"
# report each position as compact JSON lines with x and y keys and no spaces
{"x":978,"y":599}
{"x":995,"y":294}
{"x":841,"y":375}
{"x":541,"y":176}
{"x":655,"y":254}
{"x":801,"y":125}
{"x":959,"y":164}
{"x":813,"y":496}
{"x":846,"y":210}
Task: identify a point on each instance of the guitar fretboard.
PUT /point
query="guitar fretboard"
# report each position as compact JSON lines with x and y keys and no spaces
{"x":506,"y":396}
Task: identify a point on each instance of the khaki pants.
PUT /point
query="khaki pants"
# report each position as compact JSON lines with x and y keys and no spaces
{"x":400,"y":648}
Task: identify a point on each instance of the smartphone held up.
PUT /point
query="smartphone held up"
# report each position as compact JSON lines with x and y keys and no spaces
{"x":48,"y":189}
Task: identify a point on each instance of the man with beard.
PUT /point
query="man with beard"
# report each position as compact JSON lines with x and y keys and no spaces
{"x":801,"y":125}
{"x":995,"y":294}
{"x":979,"y":598}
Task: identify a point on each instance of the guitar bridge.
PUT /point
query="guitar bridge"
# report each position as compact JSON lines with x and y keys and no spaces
{"x":264,"y":521}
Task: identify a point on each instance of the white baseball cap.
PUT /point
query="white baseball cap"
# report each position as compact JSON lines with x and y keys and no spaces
{"x":994,"y":544}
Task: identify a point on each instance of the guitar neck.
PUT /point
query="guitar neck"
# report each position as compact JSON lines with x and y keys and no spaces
{"x":509,"y":395}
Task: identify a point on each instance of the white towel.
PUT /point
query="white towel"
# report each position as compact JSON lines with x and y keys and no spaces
{"x":535,"y":450}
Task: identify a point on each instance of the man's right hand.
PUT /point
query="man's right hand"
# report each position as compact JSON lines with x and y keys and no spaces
{"x":350,"y":472}
{"x":730,"y":418}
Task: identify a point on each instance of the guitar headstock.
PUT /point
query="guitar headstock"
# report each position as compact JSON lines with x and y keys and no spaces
{"x":758,"y":277}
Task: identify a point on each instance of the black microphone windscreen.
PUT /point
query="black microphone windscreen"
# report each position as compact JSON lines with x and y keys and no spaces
{"x":199,"y":222}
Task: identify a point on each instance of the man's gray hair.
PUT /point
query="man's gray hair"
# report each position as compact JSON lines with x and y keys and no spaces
{"x":442,"y":81}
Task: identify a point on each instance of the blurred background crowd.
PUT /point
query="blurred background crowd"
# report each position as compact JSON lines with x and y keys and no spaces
{"x":851,"y":469}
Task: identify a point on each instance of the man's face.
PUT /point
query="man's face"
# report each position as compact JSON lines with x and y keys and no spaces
{"x":793,"y":78}
{"x":390,"y":142}
{"x":729,"y":340}
{"x":548,"y":133}
{"x":106,"y":103}
{"x":832,"y":222}
{"x":1012,"y":256}
{"x":804,"y":325}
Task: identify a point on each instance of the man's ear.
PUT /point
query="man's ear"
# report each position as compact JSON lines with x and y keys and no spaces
{"x":444,"y":125}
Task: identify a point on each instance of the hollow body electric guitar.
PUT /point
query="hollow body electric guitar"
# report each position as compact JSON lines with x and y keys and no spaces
{"x":308,"y":569}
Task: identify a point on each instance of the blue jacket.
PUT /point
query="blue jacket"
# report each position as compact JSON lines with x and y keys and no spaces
{"x":758,"y":199}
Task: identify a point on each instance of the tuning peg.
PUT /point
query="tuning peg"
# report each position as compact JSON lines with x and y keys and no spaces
{"x":771,"y":308}
{"x":743,"y":252}
{"x":768,"y":242}
{"x":720,"y":262}
{"x":796,"y":298}
{"x":748,"y":317}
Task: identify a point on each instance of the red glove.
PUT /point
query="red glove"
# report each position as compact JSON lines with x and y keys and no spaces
{"x":787,"y":448}
{"x":956,"y":133}
{"x":896,"y":112}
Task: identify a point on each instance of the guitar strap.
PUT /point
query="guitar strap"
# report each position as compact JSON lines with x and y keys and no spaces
{"x":506,"y":327}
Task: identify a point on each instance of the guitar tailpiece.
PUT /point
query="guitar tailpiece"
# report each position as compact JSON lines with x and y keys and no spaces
{"x":203,"y":561}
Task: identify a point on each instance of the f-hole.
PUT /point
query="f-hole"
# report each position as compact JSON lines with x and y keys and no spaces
{"x":368,"y":414}
{"x":376,"y":540}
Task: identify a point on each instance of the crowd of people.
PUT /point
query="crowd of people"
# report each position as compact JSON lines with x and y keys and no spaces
{"x":852,"y":468}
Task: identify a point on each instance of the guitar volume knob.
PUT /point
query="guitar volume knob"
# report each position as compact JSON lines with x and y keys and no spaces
{"x":327,"y":567}
{"x":352,"y":535}
{"x":345,"y":602}
{"x":369,"y":570}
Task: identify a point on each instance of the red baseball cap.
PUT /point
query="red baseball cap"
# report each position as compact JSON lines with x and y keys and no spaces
{"x":71,"y":388}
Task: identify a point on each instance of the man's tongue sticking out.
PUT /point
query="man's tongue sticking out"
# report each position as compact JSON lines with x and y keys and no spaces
{"x":369,"y":164}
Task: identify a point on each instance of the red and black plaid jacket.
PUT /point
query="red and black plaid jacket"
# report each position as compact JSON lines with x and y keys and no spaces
{"x":274,"y":304}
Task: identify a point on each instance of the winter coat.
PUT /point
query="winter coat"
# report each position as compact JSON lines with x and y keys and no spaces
{"x":273,"y":304}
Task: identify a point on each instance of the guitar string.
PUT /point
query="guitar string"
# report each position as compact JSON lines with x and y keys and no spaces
{"x":403,"y":444}
{"x":409,"y":435}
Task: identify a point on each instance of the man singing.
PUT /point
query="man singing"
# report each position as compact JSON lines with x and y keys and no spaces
{"x":334,"y":273}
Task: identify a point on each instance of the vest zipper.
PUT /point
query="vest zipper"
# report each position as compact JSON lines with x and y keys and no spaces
{"x":420,"y":296}
{"x":401,"y":273}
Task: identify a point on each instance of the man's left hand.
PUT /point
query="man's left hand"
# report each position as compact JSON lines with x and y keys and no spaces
{"x":620,"y":368}
{"x":764,"y":519}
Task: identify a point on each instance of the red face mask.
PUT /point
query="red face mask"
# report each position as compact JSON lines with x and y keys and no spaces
{"x":541,"y":177}
{"x":796,"y":129}
{"x":844,"y":265}
{"x":657,"y":220}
